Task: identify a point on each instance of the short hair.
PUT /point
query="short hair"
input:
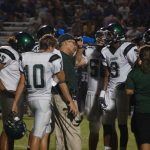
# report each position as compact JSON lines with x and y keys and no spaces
{"x":47,"y":41}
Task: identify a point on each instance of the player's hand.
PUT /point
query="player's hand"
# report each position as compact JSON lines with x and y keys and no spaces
{"x":73,"y":108}
{"x":102,"y":103}
{"x":14,"y":107}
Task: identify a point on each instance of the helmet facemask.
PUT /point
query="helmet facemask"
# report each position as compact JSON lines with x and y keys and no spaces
{"x":146,"y":37}
{"x":100,"y":37}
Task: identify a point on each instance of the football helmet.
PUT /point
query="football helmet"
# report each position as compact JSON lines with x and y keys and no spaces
{"x":115,"y":33}
{"x":14,"y":127}
{"x":146,"y":37}
{"x":24,"y":42}
{"x":45,"y":29}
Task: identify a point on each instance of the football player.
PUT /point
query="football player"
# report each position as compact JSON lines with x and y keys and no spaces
{"x":37,"y":72}
{"x":43,"y":29}
{"x":9,"y":78}
{"x":93,"y":87}
{"x":118,"y":58}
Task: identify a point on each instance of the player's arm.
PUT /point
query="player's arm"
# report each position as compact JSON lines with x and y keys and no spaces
{"x":105,"y":80}
{"x":2,"y":66}
{"x":64,"y":89}
{"x":80,"y":58}
{"x":131,"y":53}
{"x":19,"y":91}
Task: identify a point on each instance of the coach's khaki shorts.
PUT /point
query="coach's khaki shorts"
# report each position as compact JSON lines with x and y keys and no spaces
{"x":67,"y":129}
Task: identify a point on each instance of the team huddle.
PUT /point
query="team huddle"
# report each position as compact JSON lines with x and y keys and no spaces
{"x":45,"y":74}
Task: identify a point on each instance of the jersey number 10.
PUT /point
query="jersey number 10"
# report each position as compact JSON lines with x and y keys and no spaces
{"x":38,"y":76}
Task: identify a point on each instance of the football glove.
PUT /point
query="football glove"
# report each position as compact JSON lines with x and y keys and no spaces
{"x":102,"y":100}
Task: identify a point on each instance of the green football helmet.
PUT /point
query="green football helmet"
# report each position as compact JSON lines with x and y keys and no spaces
{"x":14,"y":127}
{"x":115,"y":33}
{"x":24,"y":42}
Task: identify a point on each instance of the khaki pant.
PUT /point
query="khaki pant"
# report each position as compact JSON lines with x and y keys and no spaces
{"x":67,"y":130}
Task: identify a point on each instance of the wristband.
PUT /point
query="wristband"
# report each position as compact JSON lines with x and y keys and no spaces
{"x":102,"y":94}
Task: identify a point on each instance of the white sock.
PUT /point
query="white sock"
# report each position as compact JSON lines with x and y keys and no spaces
{"x":107,"y":148}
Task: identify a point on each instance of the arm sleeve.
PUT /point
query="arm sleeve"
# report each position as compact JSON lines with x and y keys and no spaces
{"x":5,"y":59}
{"x":57,"y":65}
{"x":132,"y":55}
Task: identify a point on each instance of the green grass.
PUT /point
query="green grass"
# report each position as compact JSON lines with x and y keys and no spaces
{"x":22,"y":143}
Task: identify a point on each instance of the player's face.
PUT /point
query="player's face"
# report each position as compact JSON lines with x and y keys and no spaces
{"x":109,"y":38}
{"x":101,"y":38}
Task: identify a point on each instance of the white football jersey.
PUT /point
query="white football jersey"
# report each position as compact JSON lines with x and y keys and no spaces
{"x":39,"y":69}
{"x":93,"y":69}
{"x":10,"y":74}
{"x":119,"y":63}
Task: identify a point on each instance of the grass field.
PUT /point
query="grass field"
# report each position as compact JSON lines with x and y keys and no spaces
{"x":22,"y":143}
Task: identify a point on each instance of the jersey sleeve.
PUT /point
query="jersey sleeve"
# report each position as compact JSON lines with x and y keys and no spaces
{"x":132,"y":55}
{"x":6,"y":57}
{"x":56,"y":63}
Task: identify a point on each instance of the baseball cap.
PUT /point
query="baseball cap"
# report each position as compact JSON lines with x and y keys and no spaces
{"x":65,"y":37}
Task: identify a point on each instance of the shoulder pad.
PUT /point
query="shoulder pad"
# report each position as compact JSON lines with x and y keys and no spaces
{"x":8,"y":52}
{"x":128,"y":48}
{"x":54,"y":57}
